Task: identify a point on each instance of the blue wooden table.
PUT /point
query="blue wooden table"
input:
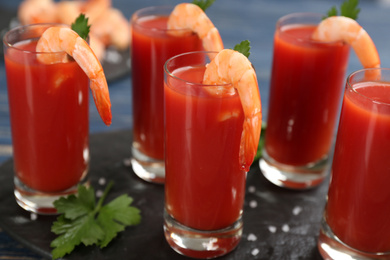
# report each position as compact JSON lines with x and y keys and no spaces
{"x":236,"y":20}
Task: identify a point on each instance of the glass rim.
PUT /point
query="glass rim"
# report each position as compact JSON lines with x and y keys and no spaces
{"x":349,"y":84}
{"x":136,"y":16}
{"x":297,"y":14}
{"x":282,"y":19}
{"x":170,"y":73}
{"x":23,"y":28}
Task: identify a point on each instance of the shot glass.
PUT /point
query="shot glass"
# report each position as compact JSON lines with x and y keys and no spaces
{"x":305,"y":95}
{"x":48,"y":106}
{"x":205,"y":183}
{"x":152,"y":45}
{"x":356,"y":223}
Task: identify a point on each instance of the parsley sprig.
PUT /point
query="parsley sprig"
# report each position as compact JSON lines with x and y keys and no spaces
{"x":203,"y":4}
{"x":84,"y":221}
{"x":348,"y":8}
{"x":259,"y":152}
{"x":244,"y":47}
{"x":81,"y":26}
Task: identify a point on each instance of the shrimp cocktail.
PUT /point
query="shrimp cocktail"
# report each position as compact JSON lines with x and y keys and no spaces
{"x":48,"y":68}
{"x":213,"y":124}
{"x":309,"y":64}
{"x":356,"y":223}
{"x":159,"y":33}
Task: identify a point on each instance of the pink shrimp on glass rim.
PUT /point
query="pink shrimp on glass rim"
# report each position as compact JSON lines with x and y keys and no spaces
{"x":58,"y":39}
{"x":232,"y":67}
{"x":341,"y":28}
{"x":192,"y":17}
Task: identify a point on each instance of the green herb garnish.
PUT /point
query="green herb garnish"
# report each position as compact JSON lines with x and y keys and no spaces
{"x":332,"y":12}
{"x":348,"y":8}
{"x":259,"y":152}
{"x":243,"y":47}
{"x":81,"y":26}
{"x":203,"y":4}
{"x":84,"y":221}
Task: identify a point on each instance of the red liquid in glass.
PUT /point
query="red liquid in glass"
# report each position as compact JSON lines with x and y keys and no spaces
{"x":358,"y":205}
{"x":205,"y":184}
{"x":49,"y":120}
{"x":306,"y":88}
{"x":150,"y":49}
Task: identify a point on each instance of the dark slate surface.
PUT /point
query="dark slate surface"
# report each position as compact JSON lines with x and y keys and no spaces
{"x":278,"y":223}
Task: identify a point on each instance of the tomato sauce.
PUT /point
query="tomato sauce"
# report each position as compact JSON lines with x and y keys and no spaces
{"x":205,"y":183}
{"x":152,"y":45}
{"x":306,"y":88}
{"x":358,"y":205}
{"x":49,"y":120}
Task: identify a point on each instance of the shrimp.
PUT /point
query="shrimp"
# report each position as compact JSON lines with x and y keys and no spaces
{"x":341,"y":28}
{"x":192,"y":17}
{"x":37,"y":11}
{"x":58,"y":39}
{"x":68,"y":11}
{"x":232,"y":67}
{"x":112,"y":28}
{"x":97,"y":46}
{"x":95,"y":8}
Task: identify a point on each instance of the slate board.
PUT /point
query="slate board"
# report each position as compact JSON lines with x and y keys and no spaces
{"x":278,"y":223}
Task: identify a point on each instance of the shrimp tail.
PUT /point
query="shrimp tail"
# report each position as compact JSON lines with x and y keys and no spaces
{"x":340,"y":28}
{"x":234,"y":68}
{"x":90,"y":64}
{"x":58,"y":39}
{"x":101,"y":98}
{"x":250,"y":97}
{"x":369,"y":59}
{"x":192,"y":17}
{"x":249,"y":140}
{"x":213,"y":41}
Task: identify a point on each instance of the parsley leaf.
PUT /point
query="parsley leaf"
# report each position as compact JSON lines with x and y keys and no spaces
{"x":203,"y":4}
{"x":84,"y":222}
{"x":332,"y":11}
{"x":259,"y":152}
{"x":243,"y":47}
{"x":349,"y":8}
{"x":81,"y":26}
{"x":115,"y":216}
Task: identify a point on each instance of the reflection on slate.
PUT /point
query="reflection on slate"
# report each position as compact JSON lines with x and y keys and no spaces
{"x":116,"y":64}
{"x":278,"y":223}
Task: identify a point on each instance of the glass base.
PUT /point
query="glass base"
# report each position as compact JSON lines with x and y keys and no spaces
{"x":147,"y":168}
{"x":41,"y":202}
{"x":201,"y":244}
{"x":332,"y":248}
{"x":294,"y":177}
